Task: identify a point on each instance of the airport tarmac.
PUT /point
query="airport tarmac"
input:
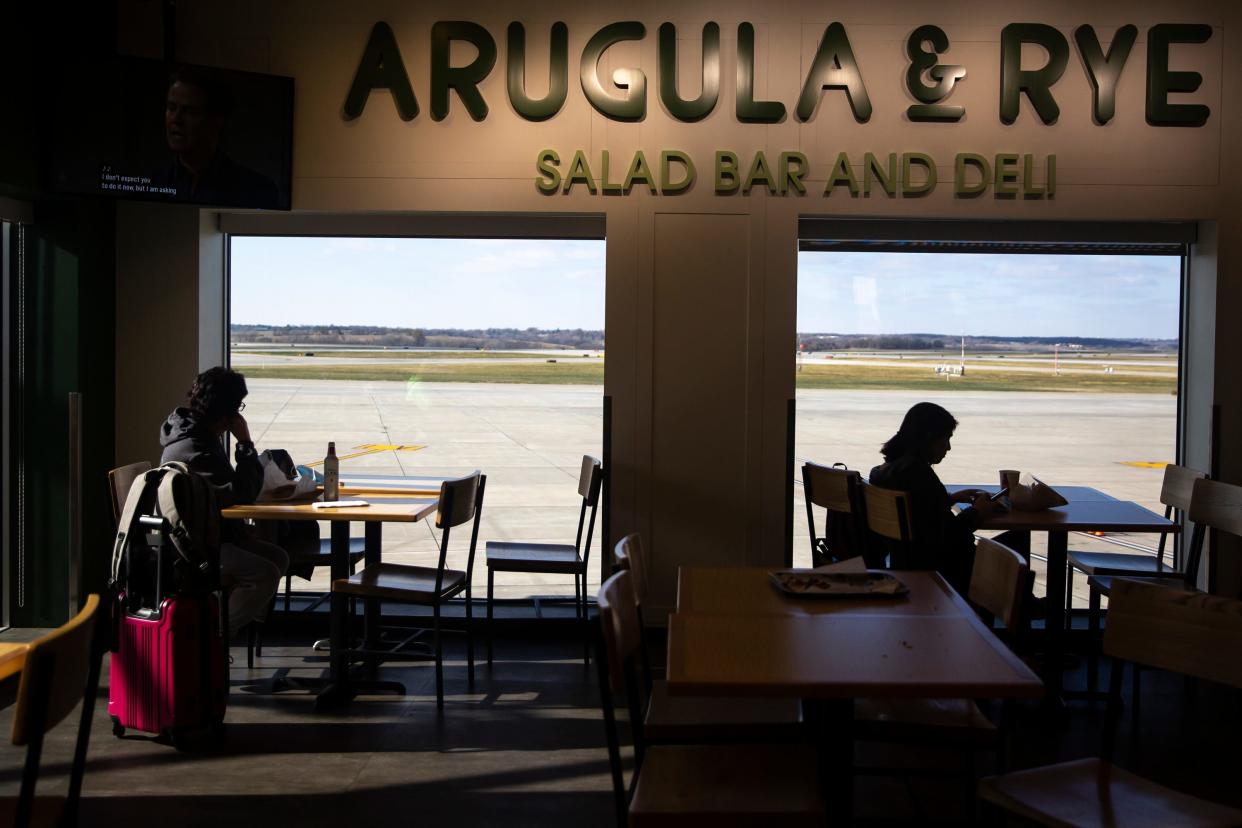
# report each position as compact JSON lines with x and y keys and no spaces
{"x":529,"y":440}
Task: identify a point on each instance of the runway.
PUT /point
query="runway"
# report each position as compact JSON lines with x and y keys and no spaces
{"x":529,"y":439}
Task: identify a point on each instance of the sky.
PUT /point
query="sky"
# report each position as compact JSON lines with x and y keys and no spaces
{"x":505,"y":283}
{"x":1122,"y":297}
{"x":418,"y":283}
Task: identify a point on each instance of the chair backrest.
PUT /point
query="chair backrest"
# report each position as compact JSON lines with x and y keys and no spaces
{"x":461,"y":500}
{"x":890,"y":531}
{"x":590,"y":481}
{"x":1213,"y":505}
{"x":618,"y":614}
{"x":888,"y":513}
{"x":839,"y":492}
{"x":1217,"y":505}
{"x":1184,"y":631}
{"x":999,"y":582}
{"x":590,"y":477}
{"x":629,"y":554}
{"x":621,"y":642}
{"x":61,"y":669}
{"x":458,"y":500}
{"x":54,"y":675}
{"x":1178,"y":486}
{"x":120,"y":480}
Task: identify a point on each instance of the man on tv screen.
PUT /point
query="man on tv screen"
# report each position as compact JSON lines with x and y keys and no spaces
{"x":197,"y":108}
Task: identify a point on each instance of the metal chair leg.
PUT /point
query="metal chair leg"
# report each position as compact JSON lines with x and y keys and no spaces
{"x":439,"y":659}
{"x":250,"y":637}
{"x":491,"y":580}
{"x":586,"y":627}
{"x":1093,"y":629}
{"x":288,"y":591}
{"x":1069,"y":595}
{"x":469,"y":639}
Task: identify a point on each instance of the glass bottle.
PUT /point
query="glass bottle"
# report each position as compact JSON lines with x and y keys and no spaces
{"x":331,"y":475}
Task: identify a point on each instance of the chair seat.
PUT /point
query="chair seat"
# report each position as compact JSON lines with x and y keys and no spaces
{"x":727,"y":785}
{"x":1104,"y":583}
{"x":1091,"y":792}
{"x":398,"y":582}
{"x":934,"y":721}
{"x":517,"y":556}
{"x":304,"y":562}
{"x":357,"y":548}
{"x":1115,"y":563}
{"x":699,"y":719}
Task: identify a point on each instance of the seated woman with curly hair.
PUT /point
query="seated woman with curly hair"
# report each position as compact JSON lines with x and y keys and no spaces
{"x":191,"y":435}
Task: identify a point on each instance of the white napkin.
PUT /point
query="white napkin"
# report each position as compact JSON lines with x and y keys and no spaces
{"x":338,"y":504}
{"x":1034,"y":495}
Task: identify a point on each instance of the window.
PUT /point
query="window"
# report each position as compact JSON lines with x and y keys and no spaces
{"x":1064,"y":365}
{"x":431,"y":356}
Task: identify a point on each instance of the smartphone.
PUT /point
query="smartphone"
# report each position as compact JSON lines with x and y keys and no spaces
{"x":999,"y":494}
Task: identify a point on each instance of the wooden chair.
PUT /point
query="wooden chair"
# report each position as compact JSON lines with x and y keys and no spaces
{"x":61,"y":669}
{"x":559,"y":558}
{"x":1157,"y":626}
{"x":719,"y":784}
{"x":1175,"y":494}
{"x":888,"y":517}
{"x":461,"y":500}
{"x":839,"y":493}
{"x":673,"y":719}
{"x":999,"y":583}
{"x":120,"y":481}
{"x":1213,"y":506}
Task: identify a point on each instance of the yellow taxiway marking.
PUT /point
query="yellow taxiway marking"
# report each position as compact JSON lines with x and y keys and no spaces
{"x":1144,"y":464}
{"x":373,"y":448}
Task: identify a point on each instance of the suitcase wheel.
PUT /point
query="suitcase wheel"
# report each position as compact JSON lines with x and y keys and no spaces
{"x":118,"y":729}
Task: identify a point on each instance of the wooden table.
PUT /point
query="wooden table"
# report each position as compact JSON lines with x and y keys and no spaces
{"x":340,"y":687}
{"x":1088,"y":510}
{"x":735,"y":635}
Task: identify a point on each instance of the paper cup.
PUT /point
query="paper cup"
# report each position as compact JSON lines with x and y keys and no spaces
{"x":1009,"y":478}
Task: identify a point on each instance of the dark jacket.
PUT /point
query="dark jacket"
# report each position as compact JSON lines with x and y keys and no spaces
{"x":943,"y":541}
{"x":187,"y":440}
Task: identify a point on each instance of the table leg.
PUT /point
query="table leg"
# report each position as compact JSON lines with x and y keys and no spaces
{"x":831,"y":722}
{"x":338,"y":690}
{"x":1054,"y":624}
{"x":372,"y":609}
{"x":341,"y":686}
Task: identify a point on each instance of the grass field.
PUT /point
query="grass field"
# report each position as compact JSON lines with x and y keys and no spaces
{"x":581,"y":372}
{"x":840,"y":376}
{"x":976,"y":379}
{"x":396,"y":354}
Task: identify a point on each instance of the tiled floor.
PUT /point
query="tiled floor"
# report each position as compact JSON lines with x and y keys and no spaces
{"x":525,"y":746}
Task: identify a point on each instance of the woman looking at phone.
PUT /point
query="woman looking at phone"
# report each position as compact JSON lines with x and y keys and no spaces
{"x":943,"y":541}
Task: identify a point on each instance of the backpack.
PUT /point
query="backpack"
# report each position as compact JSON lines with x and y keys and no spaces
{"x":187,"y":501}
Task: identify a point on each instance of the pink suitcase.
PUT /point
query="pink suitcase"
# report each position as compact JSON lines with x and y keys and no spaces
{"x":167,"y":671}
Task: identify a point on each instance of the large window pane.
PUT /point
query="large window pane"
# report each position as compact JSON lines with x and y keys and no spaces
{"x":432,"y":357}
{"x":1062,"y":365}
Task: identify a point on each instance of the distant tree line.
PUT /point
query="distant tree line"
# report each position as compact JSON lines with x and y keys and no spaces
{"x":947,"y":342}
{"x":376,"y":336}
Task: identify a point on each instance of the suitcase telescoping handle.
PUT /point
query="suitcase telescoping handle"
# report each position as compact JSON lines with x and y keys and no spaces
{"x":158,"y":524}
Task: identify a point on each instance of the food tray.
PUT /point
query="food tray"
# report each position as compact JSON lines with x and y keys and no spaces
{"x":805,"y":583}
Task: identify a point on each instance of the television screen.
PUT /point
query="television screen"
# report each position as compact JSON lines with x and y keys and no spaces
{"x":144,"y":129}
